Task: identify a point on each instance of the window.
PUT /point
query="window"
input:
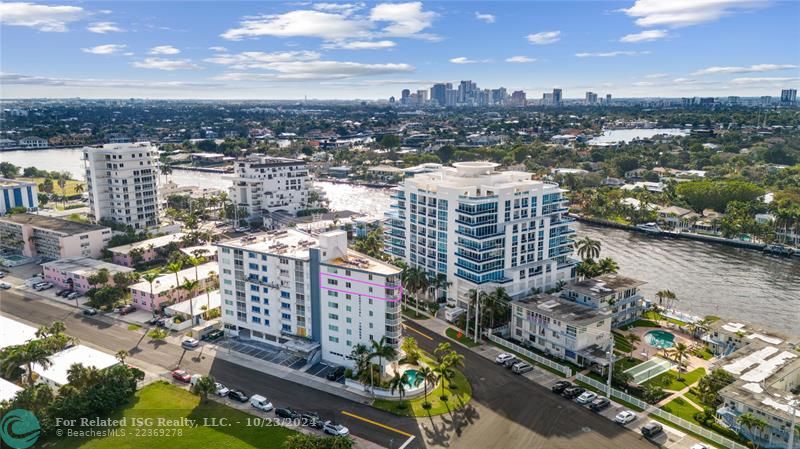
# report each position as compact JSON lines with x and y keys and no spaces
{"x":255,"y":298}
{"x":254,"y":288}
{"x":333,"y":316}
{"x":252,"y":255}
{"x":255,"y":319}
{"x":255,"y":309}
{"x":286,"y":305}
{"x":286,"y":327}
{"x":333,"y":339}
{"x":286,"y":316}
{"x":253,"y":266}
{"x":333,"y":305}
{"x":285,"y":294}
{"x":333,"y":328}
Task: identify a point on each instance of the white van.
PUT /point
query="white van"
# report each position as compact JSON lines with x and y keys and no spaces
{"x":451,"y":315}
{"x":193,"y":380}
{"x":260,"y":402}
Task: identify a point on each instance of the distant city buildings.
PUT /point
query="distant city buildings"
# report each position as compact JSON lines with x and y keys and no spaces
{"x":482,"y":229}
{"x":789,"y":97}
{"x":263,"y":185}
{"x":591,"y":98}
{"x":123,"y":183}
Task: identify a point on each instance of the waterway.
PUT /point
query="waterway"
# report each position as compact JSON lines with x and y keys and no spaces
{"x":611,"y":136}
{"x":737,"y":284}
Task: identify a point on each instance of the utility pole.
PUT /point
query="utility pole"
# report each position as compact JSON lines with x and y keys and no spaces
{"x":477,"y":312}
{"x":792,"y":429}
{"x":610,"y":364}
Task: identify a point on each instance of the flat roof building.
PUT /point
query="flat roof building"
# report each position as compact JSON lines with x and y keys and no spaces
{"x":51,"y":238}
{"x":13,"y":333}
{"x":15,"y":193}
{"x":613,"y":292}
{"x":55,"y":375}
{"x":74,"y":272}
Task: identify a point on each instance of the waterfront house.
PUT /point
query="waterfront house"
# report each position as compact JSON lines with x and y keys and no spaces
{"x":619,"y":294}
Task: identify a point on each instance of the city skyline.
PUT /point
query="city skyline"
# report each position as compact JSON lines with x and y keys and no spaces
{"x":245,"y":50}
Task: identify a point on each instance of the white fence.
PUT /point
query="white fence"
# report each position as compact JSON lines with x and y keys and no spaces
{"x":567,"y":371}
{"x":680,"y":422}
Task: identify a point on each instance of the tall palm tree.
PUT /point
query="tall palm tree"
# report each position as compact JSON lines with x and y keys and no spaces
{"x":382,"y":350}
{"x":588,"y":248}
{"x":360,"y":354}
{"x":680,"y":352}
{"x":445,"y":373}
{"x":196,"y":261}
{"x":150,"y":278}
{"x":632,"y":339}
{"x":441,"y":350}
{"x":81,"y":377}
{"x":496,"y":302}
{"x":121,"y":355}
{"x":190,"y":286}
{"x":754,"y":425}
{"x":426,"y":375}
{"x":34,"y":352}
{"x":212,"y":281}
{"x":79,"y":188}
{"x":608,"y":265}
{"x":474,"y":297}
{"x":203,"y":387}
{"x":398,"y":382}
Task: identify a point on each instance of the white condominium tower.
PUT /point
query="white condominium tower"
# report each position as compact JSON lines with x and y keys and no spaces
{"x":308,"y":293}
{"x":123,"y":183}
{"x":263,"y":184}
{"x":482,"y":229}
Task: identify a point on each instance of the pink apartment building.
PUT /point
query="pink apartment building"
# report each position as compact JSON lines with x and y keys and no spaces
{"x":73,"y":272}
{"x":121,"y":255}
{"x":166,"y":291}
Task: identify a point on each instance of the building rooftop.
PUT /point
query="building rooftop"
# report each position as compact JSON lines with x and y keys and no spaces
{"x":120,"y":146}
{"x":157,"y":242}
{"x":749,"y":333}
{"x":563,"y":310}
{"x":765,"y":373}
{"x":212,"y":301}
{"x":84,"y":266}
{"x":166,"y":282}
{"x":52,"y":224}
{"x":56,"y":373}
{"x":270,"y":161}
{"x":13,"y":333}
{"x":359,"y":261}
{"x":604,"y":285}
{"x":8,"y":390}
{"x":5,"y":182}
{"x":477,"y":179}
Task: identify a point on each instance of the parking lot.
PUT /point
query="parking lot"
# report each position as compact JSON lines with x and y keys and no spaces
{"x":321,"y":370}
{"x":264,"y":352}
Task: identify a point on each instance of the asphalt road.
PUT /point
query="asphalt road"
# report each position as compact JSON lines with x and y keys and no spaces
{"x":281,"y":392}
{"x":509,"y":411}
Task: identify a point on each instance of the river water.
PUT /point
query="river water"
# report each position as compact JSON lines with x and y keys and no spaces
{"x":610,"y":136}
{"x":733,"y":283}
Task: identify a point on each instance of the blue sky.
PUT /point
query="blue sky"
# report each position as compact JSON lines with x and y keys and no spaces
{"x":273,"y":50}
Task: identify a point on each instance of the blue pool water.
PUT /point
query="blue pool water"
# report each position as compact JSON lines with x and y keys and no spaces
{"x":411,"y":375}
{"x":660,"y":339}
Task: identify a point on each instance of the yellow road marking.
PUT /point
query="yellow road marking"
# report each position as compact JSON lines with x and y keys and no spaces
{"x":376,"y":423}
{"x":414,"y":330}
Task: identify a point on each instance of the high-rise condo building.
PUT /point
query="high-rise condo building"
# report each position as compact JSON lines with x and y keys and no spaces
{"x":438,"y":94}
{"x":123,"y":183}
{"x":263,"y":185}
{"x":788,"y":96}
{"x":557,"y":97}
{"x":311,"y":294}
{"x":482,"y":229}
{"x":591,"y":98}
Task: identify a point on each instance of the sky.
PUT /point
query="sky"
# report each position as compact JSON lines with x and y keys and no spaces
{"x":291,"y":50}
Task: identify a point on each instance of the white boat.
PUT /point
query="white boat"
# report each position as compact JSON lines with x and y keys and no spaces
{"x":779,"y":250}
{"x":650,"y":228}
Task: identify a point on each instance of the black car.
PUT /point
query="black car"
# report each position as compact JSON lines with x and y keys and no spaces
{"x":335,"y":373}
{"x":599,"y":404}
{"x":652,"y":429}
{"x":287,"y":413}
{"x":213,"y":335}
{"x":153,"y":320}
{"x":572,"y":392}
{"x":511,"y":362}
{"x":64,"y":292}
{"x":90,"y":312}
{"x":312,"y":419}
{"x":560,"y":386}
{"x":238,"y":395}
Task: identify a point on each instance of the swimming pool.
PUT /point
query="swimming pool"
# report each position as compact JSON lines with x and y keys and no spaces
{"x":411,"y":375}
{"x":660,"y":339}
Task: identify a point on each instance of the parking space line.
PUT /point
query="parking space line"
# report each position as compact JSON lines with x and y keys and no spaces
{"x":375,"y":423}
{"x":418,"y":332}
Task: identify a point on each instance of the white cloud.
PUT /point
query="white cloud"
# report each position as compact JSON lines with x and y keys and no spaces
{"x":104,"y":27}
{"x":166,"y":64}
{"x":643,"y":83}
{"x":762,"y":80}
{"x":359,"y":45}
{"x":644,"y":36}
{"x":488,"y":18}
{"x":108,"y":49}
{"x":16,"y":79}
{"x":680,"y":13}
{"x":544,"y":37}
{"x":334,"y":25}
{"x":164,"y":50}
{"x":520,"y":59}
{"x":41,"y":17}
{"x":218,"y":49}
{"x":260,"y":60}
{"x":756,"y":68}
{"x":343,"y":8}
{"x":656,"y":75}
{"x":463,"y":60}
{"x":610,"y":54}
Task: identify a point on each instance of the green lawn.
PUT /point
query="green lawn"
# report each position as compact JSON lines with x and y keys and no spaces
{"x":464,"y":340}
{"x":70,"y":187}
{"x":652,"y":315}
{"x":640,"y":323}
{"x":621,"y":343}
{"x":703,"y":353}
{"x":163,"y":400}
{"x":681,"y":408}
{"x":673,"y":383}
{"x":134,"y":327}
{"x":458,"y":394}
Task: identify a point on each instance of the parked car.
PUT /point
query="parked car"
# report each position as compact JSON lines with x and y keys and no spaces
{"x":127,"y":309}
{"x":332,"y":428}
{"x":181,"y":376}
{"x":501,"y":359}
{"x":238,"y":395}
{"x":153,"y":320}
{"x":63,"y":292}
{"x":624,"y":417}
{"x":652,"y":429}
{"x":90,"y":312}
{"x":511,"y":362}
{"x":242,"y":229}
{"x":5,"y":285}
{"x":560,"y":386}
{"x":335,"y":373}
{"x":73,"y":295}
{"x":190,"y":343}
{"x":216,"y":334}
{"x":586,"y":397}
{"x":2,"y":274}
{"x":699,"y":446}
{"x":287,"y":413}
{"x":599,"y":404}
{"x":521,"y":368}
{"x":572,"y":392}
{"x":312,"y":419}
{"x":221,"y":390}
{"x":257,"y":401}
{"x":42,"y":286}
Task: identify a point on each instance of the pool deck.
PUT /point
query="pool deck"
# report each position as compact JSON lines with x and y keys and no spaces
{"x":643,"y":350}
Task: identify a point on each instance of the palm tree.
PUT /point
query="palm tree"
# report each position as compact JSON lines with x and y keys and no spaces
{"x":150,"y":278}
{"x":441,"y":351}
{"x":204,"y":386}
{"x":175,"y":267}
{"x":496,"y":302}
{"x":81,"y":377}
{"x":360,"y":354}
{"x":474,"y":298}
{"x":680,"y":352}
{"x":442,"y":369}
{"x":632,"y":339}
{"x":608,"y":265}
{"x":426,"y":375}
{"x":211,"y":284}
{"x":121,"y":355}
{"x":195,"y":261}
{"x":34,"y":352}
{"x":588,"y":248}
{"x":382,"y":350}
{"x":398,"y":383}
{"x":79,"y":188}
{"x":190,"y":286}
{"x":754,"y":425}
{"x":165,"y":170}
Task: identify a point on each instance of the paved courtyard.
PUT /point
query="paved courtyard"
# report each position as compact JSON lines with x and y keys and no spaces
{"x":264,"y":352}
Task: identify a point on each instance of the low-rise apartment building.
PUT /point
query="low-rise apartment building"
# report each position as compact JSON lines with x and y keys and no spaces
{"x":51,"y":238}
{"x":619,"y":294}
{"x":263,"y":184}
{"x":287,"y":287}
{"x":18,"y":194}
{"x":148,"y":250}
{"x":562,"y":329}
{"x":166,"y":289}
{"x":74,"y":272}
